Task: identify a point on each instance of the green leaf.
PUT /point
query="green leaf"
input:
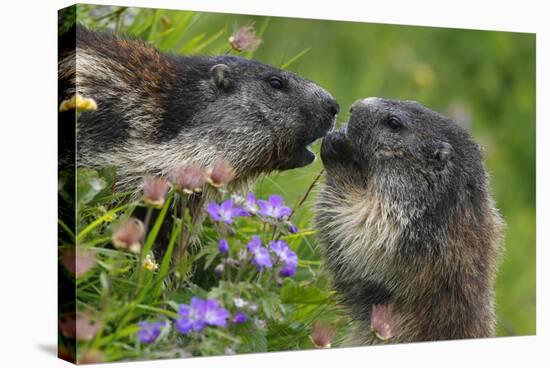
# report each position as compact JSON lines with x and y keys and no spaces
{"x":165,"y":264}
{"x":294,"y":293}
{"x":157,"y":225}
{"x":283,"y":336}
{"x":88,"y":185}
{"x":99,"y":221}
{"x":208,"y":42}
{"x":254,"y":340}
{"x":190,"y":45}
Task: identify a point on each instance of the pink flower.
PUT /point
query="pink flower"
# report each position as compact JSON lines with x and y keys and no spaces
{"x":244,"y":38}
{"x":128,"y":235}
{"x":385,"y":322}
{"x":91,"y":356}
{"x":67,"y":325}
{"x":322,"y":335}
{"x":220,"y":174}
{"x":189,"y":178}
{"x":78,"y":261}
{"x":154,"y":191}
{"x":81,"y":326}
{"x":86,"y":327}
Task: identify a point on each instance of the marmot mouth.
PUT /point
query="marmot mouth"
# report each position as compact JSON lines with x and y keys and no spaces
{"x":303,"y":155}
{"x":337,"y":147}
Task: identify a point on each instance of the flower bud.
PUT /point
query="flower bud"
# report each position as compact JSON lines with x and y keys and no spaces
{"x":78,"y":261}
{"x":385,"y":322}
{"x":244,"y":38}
{"x":322,"y":335}
{"x":128,"y":235}
{"x":220,"y":174}
{"x":154,"y":191}
{"x":219,"y":269}
{"x":189,"y":178}
{"x":223,"y":246}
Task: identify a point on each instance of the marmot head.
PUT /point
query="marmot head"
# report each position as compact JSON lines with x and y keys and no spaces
{"x":258,"y":117}
{"x":158,"y":111}
{"x":414,"y":158}
{"x":398,"y":175}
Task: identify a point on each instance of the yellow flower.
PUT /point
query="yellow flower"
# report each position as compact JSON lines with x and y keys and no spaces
{"x":149,"y":263}
{"x":78,"y":102}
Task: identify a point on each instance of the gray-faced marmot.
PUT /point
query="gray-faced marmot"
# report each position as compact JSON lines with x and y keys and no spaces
{"x":406,"y":220}
{"x":158,"y":111}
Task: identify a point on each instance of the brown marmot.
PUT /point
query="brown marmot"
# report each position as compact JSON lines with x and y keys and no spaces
{"x":406,"y":220}
{"x":158,"y":111}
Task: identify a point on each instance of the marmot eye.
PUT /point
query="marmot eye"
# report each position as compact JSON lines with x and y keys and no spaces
{"x":394,"y":123}
{"x":276,"y":82}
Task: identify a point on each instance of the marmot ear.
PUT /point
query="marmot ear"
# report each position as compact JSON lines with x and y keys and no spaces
{"x":221,"y":76}
{"x":443,"y":151}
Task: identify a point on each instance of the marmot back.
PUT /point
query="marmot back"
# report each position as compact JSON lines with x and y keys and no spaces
{"x":406,"y":220}
{"x":157,"y":111}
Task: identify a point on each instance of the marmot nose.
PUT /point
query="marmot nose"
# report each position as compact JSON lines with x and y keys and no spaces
{"x":332,"y":106}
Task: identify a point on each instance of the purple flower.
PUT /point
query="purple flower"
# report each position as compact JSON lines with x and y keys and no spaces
{"x":293,"y":229}
{"x":287,"y":271}
{"x":285,"y":255}
{"x":199,"y":313}
{"x":250,"y":204}
{"x":223,"y":246}
{"x":254,"y":244}
{"x":280,"y":247}
{"x":192,"y":316}
{"x":214,"y":313}
{"x":219,"y":269}
{"x":225,"y":212}
{"x":149,"y":331}
{"x":239,"y":318}
{"x":274,"y":208}
{"x":260,"y":255}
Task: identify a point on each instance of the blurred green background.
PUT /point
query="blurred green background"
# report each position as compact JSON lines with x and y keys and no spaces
{"x":485,"y":80}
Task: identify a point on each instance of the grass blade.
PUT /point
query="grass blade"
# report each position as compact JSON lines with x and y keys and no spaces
{"x":295,"y":58}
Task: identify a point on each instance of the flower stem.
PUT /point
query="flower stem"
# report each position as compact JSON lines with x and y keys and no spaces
{"x":194,"y":222}
{"x":242,"y":265}
{"x":141,"y":255}
{"x":184,"y":228}
{"x":306,"y":194}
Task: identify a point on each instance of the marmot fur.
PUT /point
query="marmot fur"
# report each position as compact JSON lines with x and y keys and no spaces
{"x":406,"y":220}
{"x":158,"y":111}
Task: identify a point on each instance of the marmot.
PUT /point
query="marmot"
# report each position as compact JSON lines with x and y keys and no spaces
{"x":406,"y":220}
{"x":157,"y":111}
